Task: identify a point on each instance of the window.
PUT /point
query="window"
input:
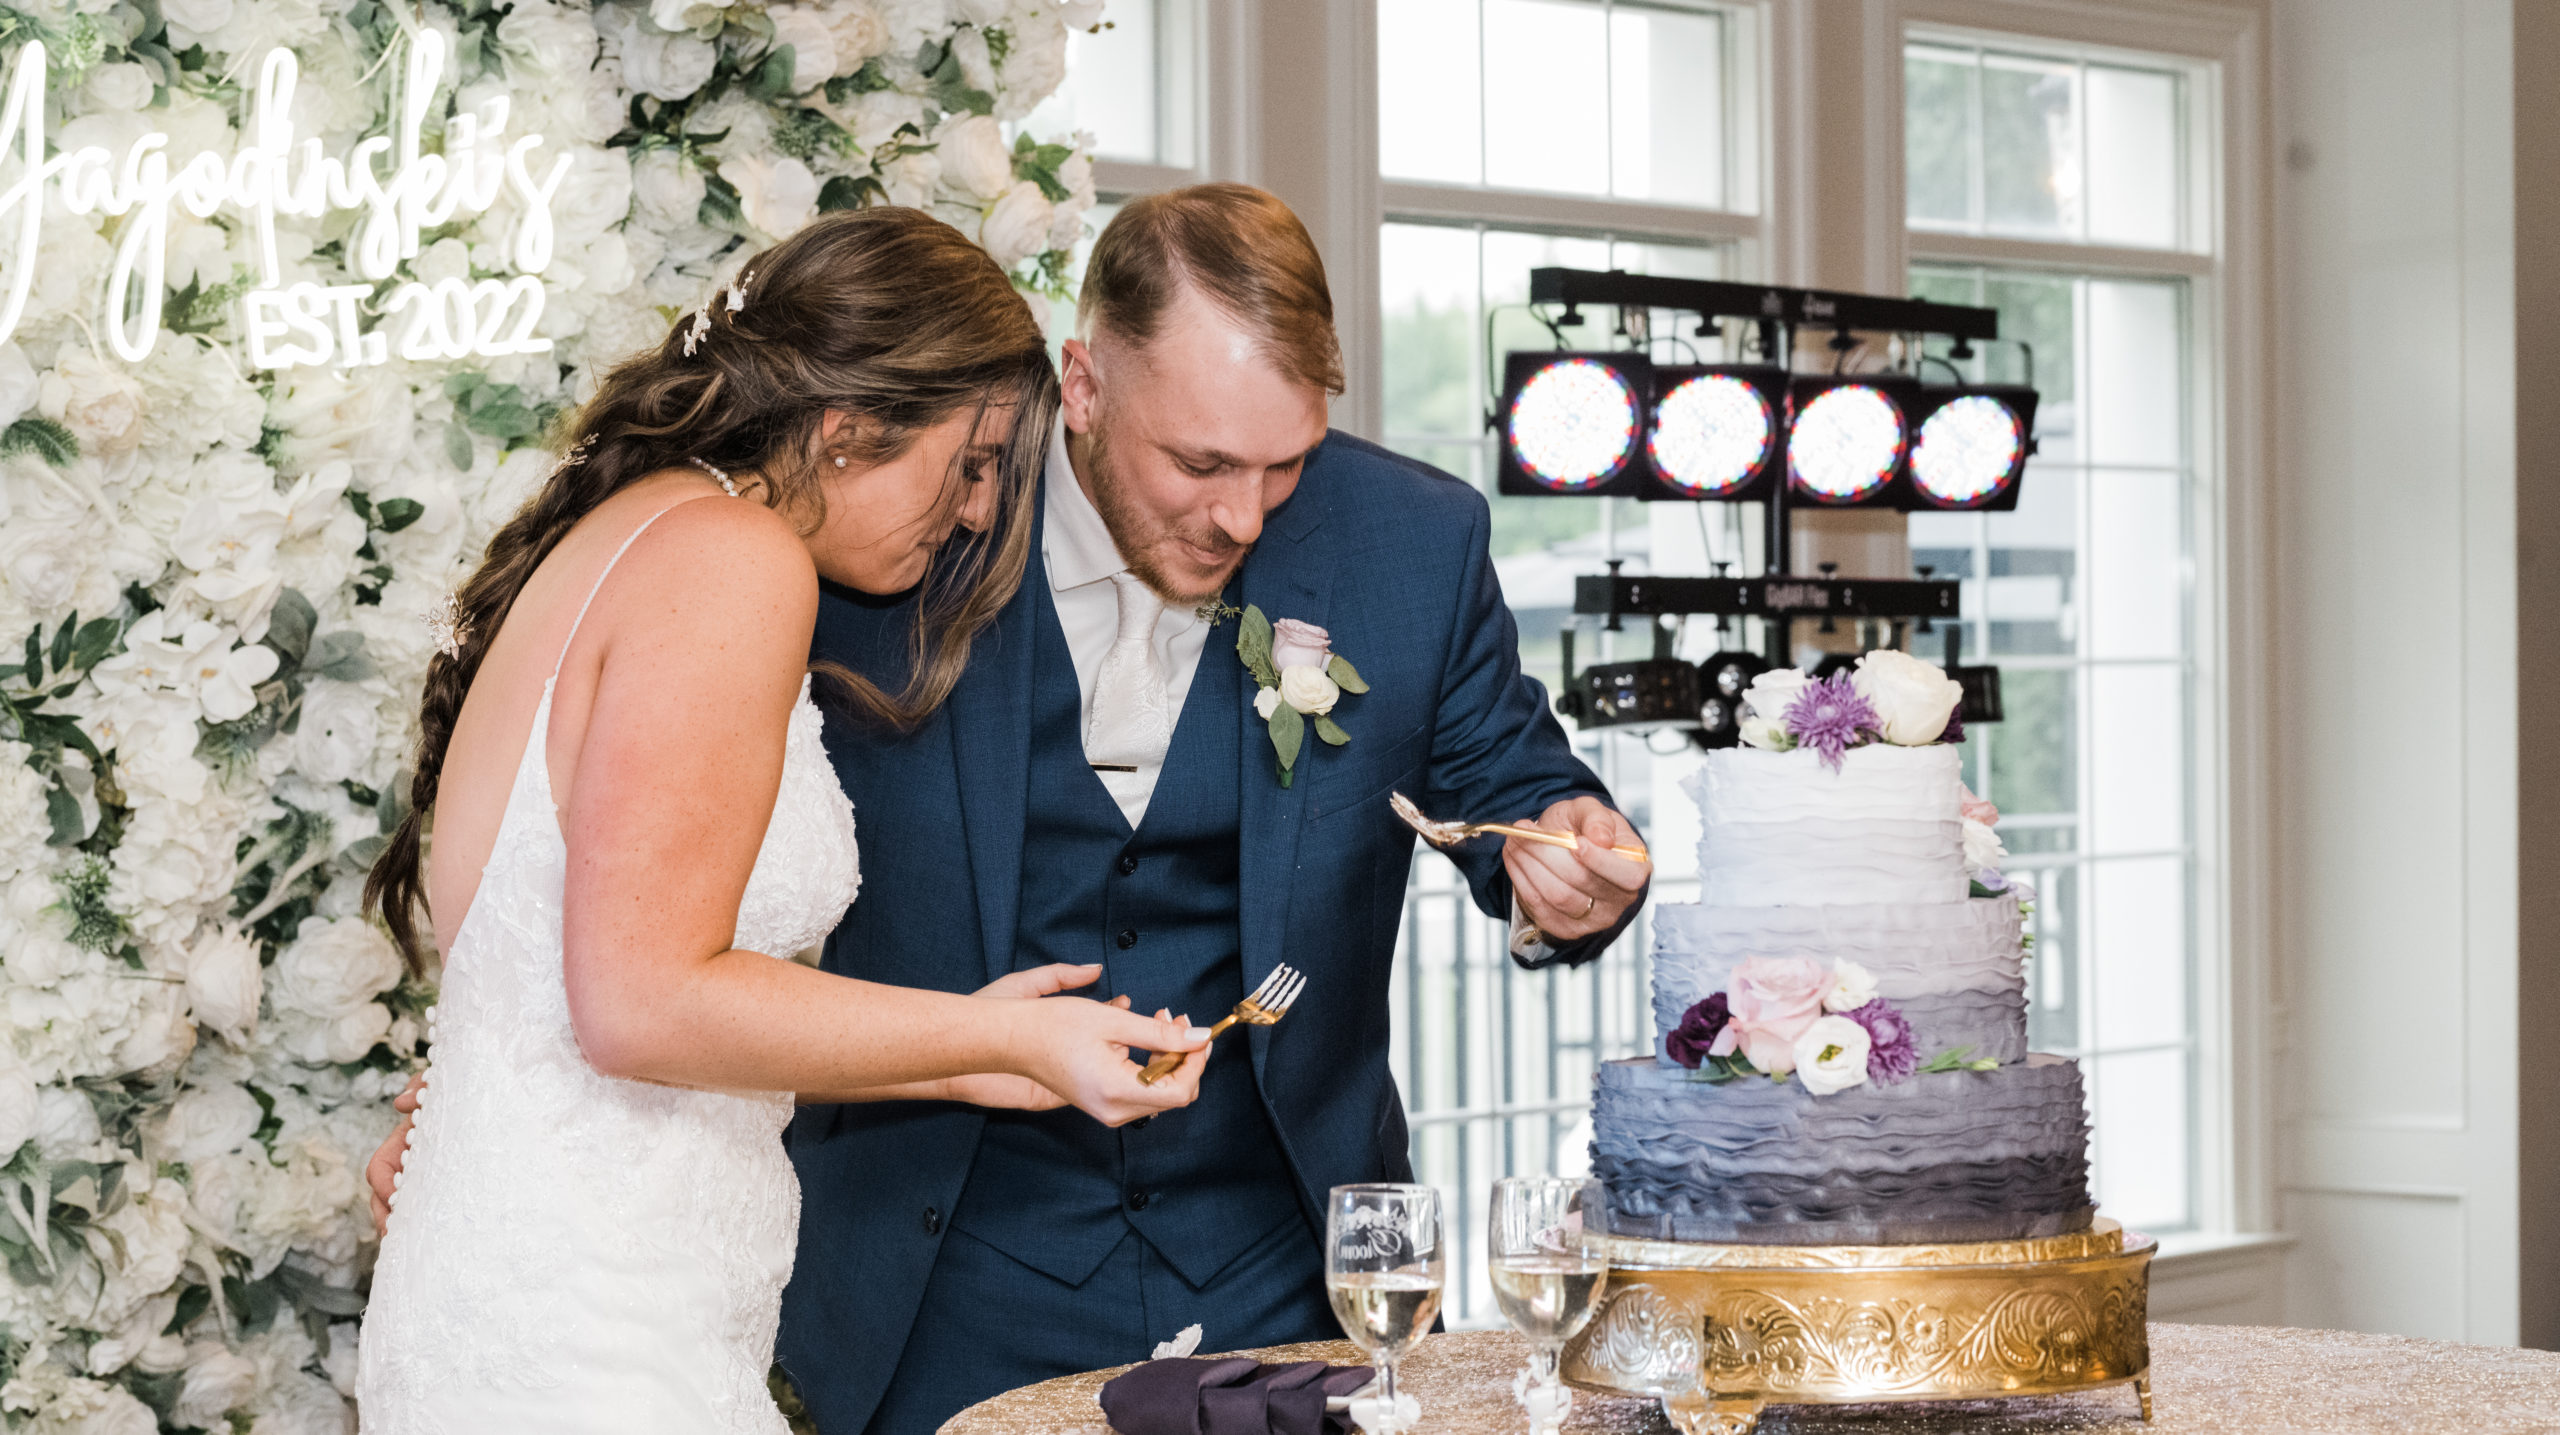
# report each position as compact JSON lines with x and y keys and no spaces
{"x":1592,"y":134}
{"x":1130,"y":83}
{"x":2045,"y":147}
{"x":2084,"y":596}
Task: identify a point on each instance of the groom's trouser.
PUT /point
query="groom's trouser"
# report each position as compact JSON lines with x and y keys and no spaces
{"x":990,"y":1323}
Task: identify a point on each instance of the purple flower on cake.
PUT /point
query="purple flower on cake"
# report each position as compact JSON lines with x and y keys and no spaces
{"x":1955,"y":726}
{"x":1831,"y":717}
{"x":1891,"y":1056}
{"x":1773,"y":1000}
{"x":1690,"y":1041}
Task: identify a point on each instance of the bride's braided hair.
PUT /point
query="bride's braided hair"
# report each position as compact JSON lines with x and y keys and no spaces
{"x":887,"y":315}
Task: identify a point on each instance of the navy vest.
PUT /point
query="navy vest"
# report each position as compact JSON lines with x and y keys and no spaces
{"x":1157,"y":907}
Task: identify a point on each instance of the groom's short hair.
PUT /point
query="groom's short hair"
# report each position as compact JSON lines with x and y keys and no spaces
{"x":1238,"y":247}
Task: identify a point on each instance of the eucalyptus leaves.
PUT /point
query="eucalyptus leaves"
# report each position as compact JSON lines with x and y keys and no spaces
{"x":1302,"y":679}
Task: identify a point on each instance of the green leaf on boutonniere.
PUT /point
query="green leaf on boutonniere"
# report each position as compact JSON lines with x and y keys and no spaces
{"x":1345,"y":676}
{"x":1288,"y":734}
{"x":1253,"y":645}
{"x":1330,"y":731}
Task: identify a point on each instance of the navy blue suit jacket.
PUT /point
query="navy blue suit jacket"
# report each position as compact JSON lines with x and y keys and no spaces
{"x":1390,"y":555}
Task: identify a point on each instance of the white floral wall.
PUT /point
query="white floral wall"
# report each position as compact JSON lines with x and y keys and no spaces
{"x":212,"y":579}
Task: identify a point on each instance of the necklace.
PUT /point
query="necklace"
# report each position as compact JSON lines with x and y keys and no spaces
{"x":718,"y":476}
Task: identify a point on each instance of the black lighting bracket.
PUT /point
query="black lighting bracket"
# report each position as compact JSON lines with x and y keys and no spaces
{"x":1721,"y":299}
{"x":1614,"y":596}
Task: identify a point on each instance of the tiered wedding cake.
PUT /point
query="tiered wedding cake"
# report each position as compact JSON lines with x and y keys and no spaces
{"x":1842,"y":1045}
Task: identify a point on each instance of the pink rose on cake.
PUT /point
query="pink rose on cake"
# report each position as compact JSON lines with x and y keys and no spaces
{"x":1977,"y":809}
{"x":1774,"y":1000}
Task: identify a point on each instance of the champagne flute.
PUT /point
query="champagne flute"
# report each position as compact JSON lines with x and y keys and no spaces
{"x":1547,"y":1284}
{"x":1384,"y":1269}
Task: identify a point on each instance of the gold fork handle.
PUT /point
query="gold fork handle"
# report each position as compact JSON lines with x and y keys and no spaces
{"x":1169,"y":1062}
{"x":1566,"y":840}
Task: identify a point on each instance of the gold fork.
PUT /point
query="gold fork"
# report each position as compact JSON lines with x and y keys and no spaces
{"x":1269,"y":1002}
{"x":1443,"y":834}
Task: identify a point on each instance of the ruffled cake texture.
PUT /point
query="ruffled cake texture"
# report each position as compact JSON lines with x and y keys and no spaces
{"x":1863,"y":864}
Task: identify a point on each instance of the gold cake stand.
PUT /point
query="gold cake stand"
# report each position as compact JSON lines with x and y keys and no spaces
{"x":1717,"y":1332}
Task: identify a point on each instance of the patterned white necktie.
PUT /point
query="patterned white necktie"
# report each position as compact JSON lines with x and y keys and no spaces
{"x":1129,"y":726}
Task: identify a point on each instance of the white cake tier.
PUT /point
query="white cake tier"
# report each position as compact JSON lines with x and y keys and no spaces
{"x":1783,"y":829}
{"x":1955,"y":968}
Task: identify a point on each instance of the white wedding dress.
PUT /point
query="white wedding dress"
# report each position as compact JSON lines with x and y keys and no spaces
{"x":569,"y":1251}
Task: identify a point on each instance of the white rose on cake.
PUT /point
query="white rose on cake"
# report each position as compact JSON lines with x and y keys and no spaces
{"x":1852,"y":986}
{"x":1983,"y":849}
{"x":1913,"y":698}
{"x":1765,"y":703}
{"x":1832,"y":1055}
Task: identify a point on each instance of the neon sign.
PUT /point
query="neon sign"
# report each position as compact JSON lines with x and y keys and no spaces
{"x":303,"y":322}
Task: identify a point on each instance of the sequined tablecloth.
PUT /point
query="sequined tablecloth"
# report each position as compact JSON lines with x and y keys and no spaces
{"x":2205,"y":1380}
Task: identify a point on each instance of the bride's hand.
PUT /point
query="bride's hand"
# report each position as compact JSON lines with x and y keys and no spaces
{"x":381,"y":1173}
{"x":1081,"y":1050}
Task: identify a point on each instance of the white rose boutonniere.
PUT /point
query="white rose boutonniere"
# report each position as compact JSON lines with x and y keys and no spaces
{"x":1302,"y":680}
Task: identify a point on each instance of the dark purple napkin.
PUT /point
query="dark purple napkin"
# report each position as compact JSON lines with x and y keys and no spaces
{"x":1236,"y":1395}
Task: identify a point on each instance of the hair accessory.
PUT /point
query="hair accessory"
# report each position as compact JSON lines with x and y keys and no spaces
{"x":446,"y":628}
{"x":718,"y":476}
{"x":700,"y":326}
{"x":738,"y":291}
{"x":576,"y":455}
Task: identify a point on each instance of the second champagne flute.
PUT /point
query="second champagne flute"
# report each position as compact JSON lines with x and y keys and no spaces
{"x":1384,"y":1268}
{"x":1547,"y":1285}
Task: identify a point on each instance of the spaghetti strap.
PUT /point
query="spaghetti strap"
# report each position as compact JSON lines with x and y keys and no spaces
{"x":575,"y":622}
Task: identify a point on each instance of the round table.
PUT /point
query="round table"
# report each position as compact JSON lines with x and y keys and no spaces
{"x":2225,"y":1380}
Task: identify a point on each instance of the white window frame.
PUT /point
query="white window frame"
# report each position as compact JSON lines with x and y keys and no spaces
{"x":2219,"y":50}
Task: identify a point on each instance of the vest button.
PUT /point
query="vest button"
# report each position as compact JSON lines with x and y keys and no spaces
{"x":1141,"y":1123}
{"x":1128,"y":938}
{"x":1137,"y":1200}
{"x":1128,"y":864}
{"x":932,"y":1221}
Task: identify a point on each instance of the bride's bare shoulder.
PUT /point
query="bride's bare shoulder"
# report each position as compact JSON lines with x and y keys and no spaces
{"x":713,"y":579}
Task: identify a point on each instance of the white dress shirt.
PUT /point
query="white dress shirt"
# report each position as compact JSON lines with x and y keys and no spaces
{"x":1077,"y":551}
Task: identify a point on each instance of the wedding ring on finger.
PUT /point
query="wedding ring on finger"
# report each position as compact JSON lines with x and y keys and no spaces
{"x":1589,"y":905}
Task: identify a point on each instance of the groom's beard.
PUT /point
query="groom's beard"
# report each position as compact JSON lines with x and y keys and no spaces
{"x":1141,"y":537}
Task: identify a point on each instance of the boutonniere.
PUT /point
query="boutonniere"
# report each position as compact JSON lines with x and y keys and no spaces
{"x":1302,"y":678}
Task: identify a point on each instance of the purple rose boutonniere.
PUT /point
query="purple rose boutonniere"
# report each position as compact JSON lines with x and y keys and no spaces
{"x":1302,"y":681}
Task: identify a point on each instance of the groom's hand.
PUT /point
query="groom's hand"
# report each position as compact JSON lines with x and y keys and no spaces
{"x":1573,"y":892}
{"x":382,"y":1173}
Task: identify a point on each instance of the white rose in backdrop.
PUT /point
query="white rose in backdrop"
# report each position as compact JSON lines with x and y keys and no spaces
{"x":812,"y":42}
{"x":216,"y":1383}
{"x":1018,"y":226}
{"x":910,"y":23}
{"x":195,"y":22}
{"x":975,"y":157}
{"x":666,"y":67}
{"x":209,"y":1121}
{"x":912,"y":178}
{"x":224,"y":982}
{"x":859,"y":32}
{"x":99,"y":402}
{"x":18,"y":384}
{"x":25,"y":819}
{"x":332,"y":968}
{"x":1913,"y":698}
{"x":777,"y":196}
{"x":18,"y":1104}
{"x":669,"y":188}
{"x":124,"y":86}
{"x":977,"y":66}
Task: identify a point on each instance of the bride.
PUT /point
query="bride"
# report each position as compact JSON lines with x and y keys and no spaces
{"x":635,"y":819}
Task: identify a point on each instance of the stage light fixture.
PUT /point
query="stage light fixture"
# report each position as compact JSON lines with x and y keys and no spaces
{"x":1722,"y":680}
{"x":1572,"y":423}
{"x":1847,"y":438}
{"x":1971,"y":446}
{"x":1716,"y":431}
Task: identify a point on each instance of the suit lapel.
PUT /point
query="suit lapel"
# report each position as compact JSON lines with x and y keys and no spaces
{"x":991,"y":755}
{"x":1287,"y":577}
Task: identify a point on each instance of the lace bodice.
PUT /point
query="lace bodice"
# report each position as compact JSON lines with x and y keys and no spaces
{"x":570,"y":1251}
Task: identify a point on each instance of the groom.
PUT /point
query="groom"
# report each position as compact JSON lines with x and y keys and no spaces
{"x":1101,"y":789}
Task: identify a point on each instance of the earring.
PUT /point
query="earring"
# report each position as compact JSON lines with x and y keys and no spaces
{"x":839,"y":460}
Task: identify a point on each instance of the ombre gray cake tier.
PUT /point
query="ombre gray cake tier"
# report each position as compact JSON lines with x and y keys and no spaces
{"x":1954,"y":968}
{"x":1958,"y":1156}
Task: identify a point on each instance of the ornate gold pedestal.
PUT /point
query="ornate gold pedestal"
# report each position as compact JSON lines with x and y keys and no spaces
{"x":1716,"y":1332}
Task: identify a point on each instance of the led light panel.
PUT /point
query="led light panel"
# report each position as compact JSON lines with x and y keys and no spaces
{"x":1846,"y":444}
{"x":1711,"y":435}
{"x":1573,"y":426}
